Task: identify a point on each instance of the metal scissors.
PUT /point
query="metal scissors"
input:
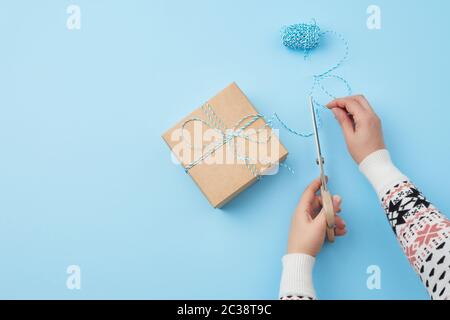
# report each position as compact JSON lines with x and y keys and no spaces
{"x":327,"y":202}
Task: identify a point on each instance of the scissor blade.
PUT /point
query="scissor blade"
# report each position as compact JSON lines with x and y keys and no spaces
{"x":316,"y":131}
{"x":316,"y":137}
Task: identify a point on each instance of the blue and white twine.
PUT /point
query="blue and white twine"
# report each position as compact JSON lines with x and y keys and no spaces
{"x":306,"y":37}
{"x":302,"y":36}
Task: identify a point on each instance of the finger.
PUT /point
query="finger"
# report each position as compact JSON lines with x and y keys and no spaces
{"x":309,"y":194}
{"x":340,"y":232}
{"x":305,"y":207}
{"x":349,"y":104}
{"x":363,"y":101}
{"x":321,"y":220}
{"x":316,"y":206}
{"x":317,"y":203}
{"x":337,"y":201}
{"x":344,"y":121}
{"x":340,"y":223}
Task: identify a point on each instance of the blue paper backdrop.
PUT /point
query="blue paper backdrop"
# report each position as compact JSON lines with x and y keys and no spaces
{"x":86,"y":179}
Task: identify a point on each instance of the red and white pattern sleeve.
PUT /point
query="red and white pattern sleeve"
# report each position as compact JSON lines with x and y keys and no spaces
{"x":422,"y":231}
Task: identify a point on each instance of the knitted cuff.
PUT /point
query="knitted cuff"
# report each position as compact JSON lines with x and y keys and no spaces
{"x":296,"y":279}
{"x":381,"y":172}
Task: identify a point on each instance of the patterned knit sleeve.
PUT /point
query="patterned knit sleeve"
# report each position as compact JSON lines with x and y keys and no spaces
{"x":424,"y":235}
{"x":421,"y":229}
{"x":296,"y":298}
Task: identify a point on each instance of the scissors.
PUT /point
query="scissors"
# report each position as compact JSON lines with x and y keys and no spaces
{"x":327,"y":202}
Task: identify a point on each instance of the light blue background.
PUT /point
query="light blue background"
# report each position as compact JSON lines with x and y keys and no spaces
{"x":86,"y":179}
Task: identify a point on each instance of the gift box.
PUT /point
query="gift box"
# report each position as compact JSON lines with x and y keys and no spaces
{"x":225,"y":146}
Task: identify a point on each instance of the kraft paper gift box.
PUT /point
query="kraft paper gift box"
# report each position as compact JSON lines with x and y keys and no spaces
{"x":225,"y":146}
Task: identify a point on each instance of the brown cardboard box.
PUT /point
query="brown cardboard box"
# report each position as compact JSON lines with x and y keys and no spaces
{"x":218,"y":175}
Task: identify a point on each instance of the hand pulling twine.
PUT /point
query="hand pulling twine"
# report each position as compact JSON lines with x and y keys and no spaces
{"x":301,"y":36}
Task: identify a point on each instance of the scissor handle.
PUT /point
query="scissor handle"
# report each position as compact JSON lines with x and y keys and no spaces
{"x":327,"y":204}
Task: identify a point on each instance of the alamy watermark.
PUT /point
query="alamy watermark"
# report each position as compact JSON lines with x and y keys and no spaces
{"x":374,"y":19}
{"x":73,"y":281}
{"x":198,"y":143}
{"x":73,"y":21}
{"x":374,"y":279}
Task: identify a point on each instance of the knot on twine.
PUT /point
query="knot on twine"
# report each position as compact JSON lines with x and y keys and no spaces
{"x":228,"y":135}
{"x":302,"y":36}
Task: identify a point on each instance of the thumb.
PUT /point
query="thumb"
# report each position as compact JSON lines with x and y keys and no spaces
{"x":321,"y":220}
{"x":344,"y":121}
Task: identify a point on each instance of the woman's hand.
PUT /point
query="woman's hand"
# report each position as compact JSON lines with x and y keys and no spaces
{"x":308,"y":227}
{"x":361,"y":126}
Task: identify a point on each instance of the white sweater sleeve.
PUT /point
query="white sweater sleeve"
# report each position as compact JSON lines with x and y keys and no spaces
{"x":381,"y":172}
{"x":296,"y":279}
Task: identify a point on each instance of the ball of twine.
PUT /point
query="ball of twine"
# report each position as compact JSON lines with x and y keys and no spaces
{"x":301,"y":36}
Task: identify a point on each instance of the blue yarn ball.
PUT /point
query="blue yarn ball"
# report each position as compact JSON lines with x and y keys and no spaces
{"x":301,"y":36}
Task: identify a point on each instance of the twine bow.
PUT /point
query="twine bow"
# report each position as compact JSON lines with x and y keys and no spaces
{"x":228,"y":135}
